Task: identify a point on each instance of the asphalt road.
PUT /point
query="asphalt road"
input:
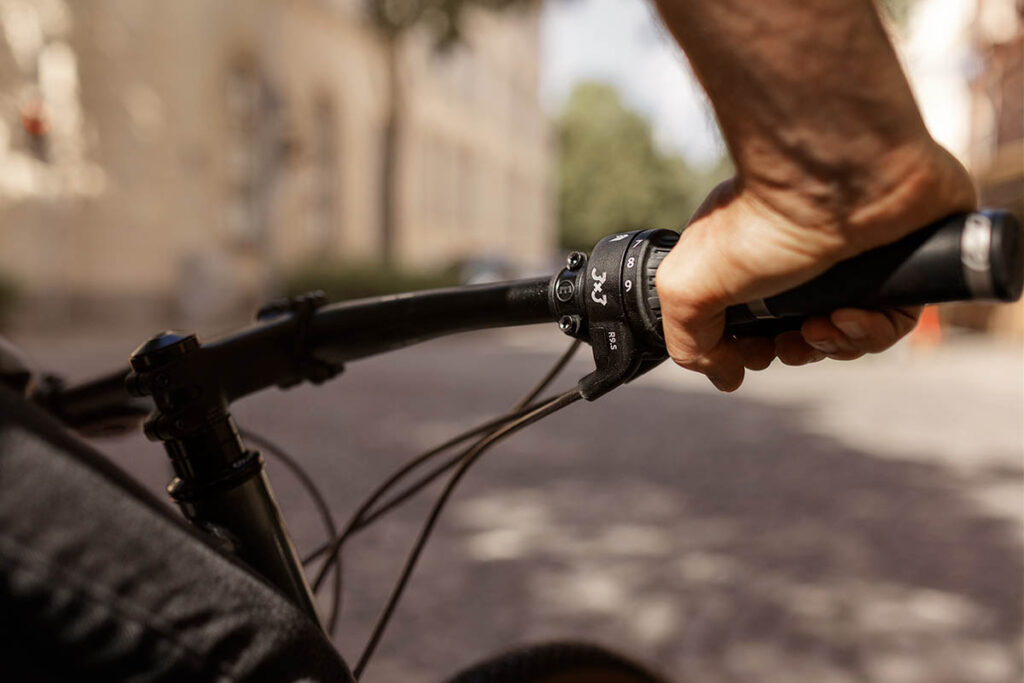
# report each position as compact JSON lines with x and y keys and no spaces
{"x":841,"y":522}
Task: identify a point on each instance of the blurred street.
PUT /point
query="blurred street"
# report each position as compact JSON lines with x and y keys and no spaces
{"x":826,"y":524}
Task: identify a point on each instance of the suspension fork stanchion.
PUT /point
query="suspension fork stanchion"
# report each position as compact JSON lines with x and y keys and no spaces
{"x":220,"y":485}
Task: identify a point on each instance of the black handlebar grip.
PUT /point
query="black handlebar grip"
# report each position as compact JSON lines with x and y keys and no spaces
{"x":976,"y":256}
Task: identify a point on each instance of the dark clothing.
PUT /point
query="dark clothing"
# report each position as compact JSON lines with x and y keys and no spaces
{"x":99,"y":581}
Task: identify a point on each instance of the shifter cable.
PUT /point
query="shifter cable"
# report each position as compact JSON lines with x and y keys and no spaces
{"x":547,"y":408}
{"x":364,"y":517}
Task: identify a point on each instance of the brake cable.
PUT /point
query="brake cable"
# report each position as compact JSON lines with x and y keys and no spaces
{"x":363,"y":517}
{"x":412,"y":464}
{"x":362,"y":520}
{"x":547,"y":408}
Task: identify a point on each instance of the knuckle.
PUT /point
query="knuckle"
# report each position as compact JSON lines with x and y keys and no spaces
{"x":671,"y":286}
{"x":685,"y":359}
{"x":685,"y":356}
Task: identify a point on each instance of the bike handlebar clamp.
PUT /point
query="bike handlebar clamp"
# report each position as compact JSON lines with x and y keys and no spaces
{"x":307,"y":366}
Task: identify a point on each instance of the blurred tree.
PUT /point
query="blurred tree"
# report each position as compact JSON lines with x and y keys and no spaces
{"x":393,"y":18}
{"x":612,"y":175}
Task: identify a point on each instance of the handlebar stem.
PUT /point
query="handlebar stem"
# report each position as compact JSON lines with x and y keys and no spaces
{"x":219,"y":484}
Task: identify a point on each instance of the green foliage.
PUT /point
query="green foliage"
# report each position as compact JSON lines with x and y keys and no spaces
{"x":341,"y":281}
{"x":613,"y":177}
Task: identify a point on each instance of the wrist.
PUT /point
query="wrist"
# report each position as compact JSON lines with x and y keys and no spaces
{"x":871,"y":195}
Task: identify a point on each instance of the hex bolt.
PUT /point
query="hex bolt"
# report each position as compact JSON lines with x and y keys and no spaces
{"x":575,"y":260}
{"x":569,"y":324}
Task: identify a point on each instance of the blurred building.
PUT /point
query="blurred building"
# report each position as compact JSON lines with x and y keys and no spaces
{"x":997,"y":99}
{"x":997,"y":126}
{"x":189,"y":152}
{"x":965,"y":59}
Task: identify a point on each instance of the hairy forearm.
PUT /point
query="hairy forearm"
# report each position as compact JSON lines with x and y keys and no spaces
{"x":809,"y":93}
{"x":832,"y":159}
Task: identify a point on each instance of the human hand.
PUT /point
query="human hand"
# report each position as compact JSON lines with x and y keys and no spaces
{"x":750,"y":240}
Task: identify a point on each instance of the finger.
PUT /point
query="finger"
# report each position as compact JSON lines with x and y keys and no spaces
{"x":758,"y":352}
{"x":821,"y":334}
{"x":905,"y":318}
{"x":792,"y":349}
{"x":723,"y":365}
{"x":694,"y":336}
{"x":874,"y":331}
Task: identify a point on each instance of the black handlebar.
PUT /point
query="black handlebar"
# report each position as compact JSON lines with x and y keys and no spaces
{"x":297,"y":343}
{"x":965,"y":257}
{"x":608,"y":300}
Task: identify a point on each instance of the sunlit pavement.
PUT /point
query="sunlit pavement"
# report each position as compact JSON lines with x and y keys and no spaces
{"x":838,"y":522}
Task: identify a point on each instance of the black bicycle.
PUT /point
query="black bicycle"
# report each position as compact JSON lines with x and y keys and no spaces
{"x":182,"y":387}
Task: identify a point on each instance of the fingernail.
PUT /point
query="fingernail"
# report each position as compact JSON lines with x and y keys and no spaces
{"x":825,"y":346}
{"x":850,"y":328}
